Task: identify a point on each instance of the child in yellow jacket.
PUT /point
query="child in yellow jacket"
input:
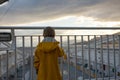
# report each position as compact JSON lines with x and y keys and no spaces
{"x":46,"y":57}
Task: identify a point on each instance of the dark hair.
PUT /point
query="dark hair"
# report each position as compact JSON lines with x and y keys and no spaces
{"x":49,"y":32}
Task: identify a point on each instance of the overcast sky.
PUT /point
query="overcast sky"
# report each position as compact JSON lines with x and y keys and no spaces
{"x":29,"y":11}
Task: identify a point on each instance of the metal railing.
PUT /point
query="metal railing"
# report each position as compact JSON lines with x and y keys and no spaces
{"x":89,"y":56}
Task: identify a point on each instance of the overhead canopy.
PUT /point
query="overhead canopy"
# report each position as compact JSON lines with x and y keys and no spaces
{"x":3,"y":1}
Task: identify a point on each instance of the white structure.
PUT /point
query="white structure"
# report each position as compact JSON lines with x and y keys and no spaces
{"x":9,"y":57}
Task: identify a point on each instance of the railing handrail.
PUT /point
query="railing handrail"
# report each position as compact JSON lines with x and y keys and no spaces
{"x":73,"y":28}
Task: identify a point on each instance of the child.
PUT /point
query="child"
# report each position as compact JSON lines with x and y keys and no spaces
{"x":46,"y":57}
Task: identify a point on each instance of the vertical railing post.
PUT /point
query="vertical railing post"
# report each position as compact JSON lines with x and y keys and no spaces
{"x":68,"y":57}
{"x":14,"y":46}
{"x":82,"y":57}
{"x":61,"y":58}
{"x":101,"y":41}
{"x":39,"y":38}
{"x":118,"y":67}
{"x":95,"y":57}
{"x":0,"y":67}
{"x":114,"y":56}
{"x":23,"y":55}
{"x":108,"y":57}
{"x":15,"y":60}
{"x":7,"y":68}
{"x":89,"y":58}
{"x":13,"y":38}
{"x":31,"y":65}
{"x":75,"y":58}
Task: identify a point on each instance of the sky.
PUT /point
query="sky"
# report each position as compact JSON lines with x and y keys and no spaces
{"x":79,"y":13}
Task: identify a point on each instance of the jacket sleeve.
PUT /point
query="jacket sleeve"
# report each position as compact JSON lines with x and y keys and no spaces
{"x":62,"y":53}
{"x":36,"y":61}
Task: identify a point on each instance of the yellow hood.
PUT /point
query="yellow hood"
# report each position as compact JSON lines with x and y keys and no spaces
{"x":47,"y":46}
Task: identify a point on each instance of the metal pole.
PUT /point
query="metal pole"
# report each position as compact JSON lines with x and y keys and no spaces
{"x":0,"y":66}
{"x":39,"y":38}
{"x":15,"y":60}
{"x":119,"y":49}
{"x":89,"y":63}
{"x":58,"y":27}
{"x":31,"y":66}
{"x":101,"y":39}
{"x":108,"y":57}
{"x":82,"y":56}
{"x":23,"y":72}
{"x":7,"y":68}
{"x":75,"y":58}
{"x":14,"y":48}
{"x":61,"y":58}
{"x":114,"y":56}
{"x":68,"y":57}
{"x":95,"y":57}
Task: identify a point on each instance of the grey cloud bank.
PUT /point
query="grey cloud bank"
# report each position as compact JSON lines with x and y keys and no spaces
{"x":26,"y":11}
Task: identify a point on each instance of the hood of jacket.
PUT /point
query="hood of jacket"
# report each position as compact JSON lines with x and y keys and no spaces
{"x":47,"y":46}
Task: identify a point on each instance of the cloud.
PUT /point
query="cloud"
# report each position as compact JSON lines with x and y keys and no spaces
{"x":107,"y":11}
{"x":26,"y":11}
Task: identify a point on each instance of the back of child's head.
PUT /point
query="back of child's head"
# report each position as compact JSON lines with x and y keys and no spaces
{"x":49,"y":32}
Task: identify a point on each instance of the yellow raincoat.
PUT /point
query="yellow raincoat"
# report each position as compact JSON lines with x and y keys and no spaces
{"x":46,"y":60}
